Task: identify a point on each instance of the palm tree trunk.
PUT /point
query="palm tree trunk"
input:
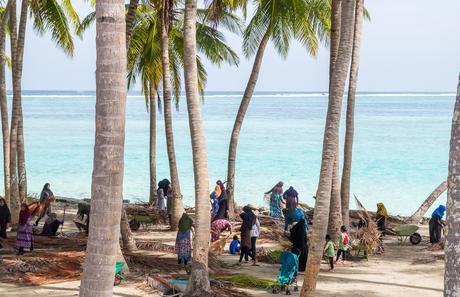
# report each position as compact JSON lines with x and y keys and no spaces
{"x":335,"y":209}
{"x":4,"y":109}
{"x":198,"y":284}
{"x":107,"y":181}
{"x":330,"y":146}
{"x":350,"y":121}
{"x":335,"y":36}
{"x":132,"y":9}
{"x":22,"y":176}
{"x":16,"y":81}
{"x":452,"y":270}
{"x":152,"y":145}
{"x":239,"y":122}
{"x":417,"y":216}
{"x":177,"y":208}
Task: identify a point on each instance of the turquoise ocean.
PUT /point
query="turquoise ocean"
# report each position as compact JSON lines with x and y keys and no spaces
{"x":400,"y":152}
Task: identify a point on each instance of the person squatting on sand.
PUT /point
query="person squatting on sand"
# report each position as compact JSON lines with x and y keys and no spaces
{"x":24,"y":235}
{"x":436,"y":224}
{"x":45,"y":201}
{"x":276,"y":200}
{"x":51,"y":225}
{"x":183,"y":244}
{"x":234,"y":245}
{"x":5,"y":218}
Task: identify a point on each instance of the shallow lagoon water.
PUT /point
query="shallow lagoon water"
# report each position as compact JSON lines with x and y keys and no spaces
{"x":400,"y":152}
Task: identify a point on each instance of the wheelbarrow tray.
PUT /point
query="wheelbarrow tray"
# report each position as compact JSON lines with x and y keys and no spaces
{"x":405,"y":230}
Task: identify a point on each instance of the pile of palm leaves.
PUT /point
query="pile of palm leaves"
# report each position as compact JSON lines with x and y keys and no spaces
{"x":247,"y":281}
{"x":369,"y":236}
{"x":269,"y":256}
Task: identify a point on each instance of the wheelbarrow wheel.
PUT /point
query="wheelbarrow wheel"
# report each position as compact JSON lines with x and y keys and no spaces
{"x":134,"y":225}
{"x":415,"y":238}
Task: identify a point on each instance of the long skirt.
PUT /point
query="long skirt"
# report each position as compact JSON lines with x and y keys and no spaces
{"x":435,"y":231}
{"x":183,"y":246}
{"x":24,"y":236}
{"x":275,"y":206}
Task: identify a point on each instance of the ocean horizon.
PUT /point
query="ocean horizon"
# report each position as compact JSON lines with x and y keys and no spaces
{"x":400,"y":152}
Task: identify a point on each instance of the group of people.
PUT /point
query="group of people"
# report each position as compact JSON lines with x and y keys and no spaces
{"x":24,"y":232}
{"x":219,"y":202}
{"x":279,"y":199}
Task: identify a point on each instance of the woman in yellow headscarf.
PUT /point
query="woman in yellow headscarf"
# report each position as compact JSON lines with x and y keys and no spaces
{"x":382,"y":216}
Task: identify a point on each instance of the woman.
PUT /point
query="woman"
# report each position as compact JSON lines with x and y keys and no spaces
{"x":436,"y":224}
{"x":183,"y":240}
{"x":294,"y":215}
{"x":24,"y":235}
{"x":5,"y":217}
{"x":222,"y":212}
{"x":45,"y":202}
{"x":255,"y":232}
{"x":249,"y":219}
{"x":292,"y":198}
{"x":218,"y":227}
{"x":51,"y":225}
{"x":299,"y":243}
{"x":161,"y":198}
{"x":275,"y":200}
{"x":381,"y":217}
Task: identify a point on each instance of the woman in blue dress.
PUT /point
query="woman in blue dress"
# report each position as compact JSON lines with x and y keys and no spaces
{"x":276,"y":199}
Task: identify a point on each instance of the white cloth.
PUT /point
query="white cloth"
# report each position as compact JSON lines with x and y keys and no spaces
{"x":255,"y":231}
{"x":161,"y":199}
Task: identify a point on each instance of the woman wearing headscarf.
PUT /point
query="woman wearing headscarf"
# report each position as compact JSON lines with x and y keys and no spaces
{"x":184,"y":240}
{"x":24,"y":235}
{"x":249,"y":219}
{"x":45,"y":202}
{"x":5,"y":217}
{"x":217,"y":227}
{"x":436,"y":224}
{"x":222,"y":212}
{"x":381,"y":217}
{"x":275,"y":200}
{"x":292,"y":198}
{"x":51,"y":225}
{"x":293,"y":215}
{"x":299,"y":243}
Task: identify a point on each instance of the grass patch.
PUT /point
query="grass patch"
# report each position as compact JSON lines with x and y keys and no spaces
{"x":247,"y":281}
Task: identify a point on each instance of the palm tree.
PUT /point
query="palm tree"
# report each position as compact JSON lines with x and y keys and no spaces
{"x":451,"y":275}
{"x":4,"y":108}
{"x":198,"y":284}
{"x":279,"y":21}
{"x":417,"y":216}
{"x":323,"y":195}
{"x":107,"y":181}
{"x":349,"y":132}
{"x":48,"y":16}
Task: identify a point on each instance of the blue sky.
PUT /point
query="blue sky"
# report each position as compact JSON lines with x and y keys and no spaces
{"x":409,"y":45}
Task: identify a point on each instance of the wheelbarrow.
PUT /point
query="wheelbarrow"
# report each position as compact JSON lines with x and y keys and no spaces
{"x":406,"y":231}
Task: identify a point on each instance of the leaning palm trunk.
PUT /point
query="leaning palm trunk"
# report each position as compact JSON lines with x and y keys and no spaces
{"x":107,"y":180}
{"x":16,"y":82}
{"x":452,"y":270}
{"x":22,"y":177}
{"x":239,"y":121}
{"x":350,"y":121}
{"x":4,"y":110}
{"x":417,"y":216}
{"x":177,"y":208}
{"x":330,"y":144}
{"x":198,"y":284}
{"x":335,"y":208}
{"x":152,"y":146}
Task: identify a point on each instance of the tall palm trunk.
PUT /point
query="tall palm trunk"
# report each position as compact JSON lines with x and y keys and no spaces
{"x":335,"y":218}
{"x":4,"y":109}
{"x":239,"y":121}
{"x":16,"y":82}
{"x":22,"y":177}
{"x":350,"y":121}
{"x":107,"y":180}
{"x":177,"y":208}
{"x":198,"y":284}
{"x":421,"y":211}
{"x":130,"y":19}
{"x":331,"y":133}
{"x":452,"y":270}
{"x":152,"y":145}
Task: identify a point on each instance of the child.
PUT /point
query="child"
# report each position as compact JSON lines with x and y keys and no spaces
{"x":344,"y":241}
{"x":329,"y":250}
{"x":234,"y":245}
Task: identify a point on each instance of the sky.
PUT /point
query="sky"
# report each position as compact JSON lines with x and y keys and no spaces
{"x":407,"y":46}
